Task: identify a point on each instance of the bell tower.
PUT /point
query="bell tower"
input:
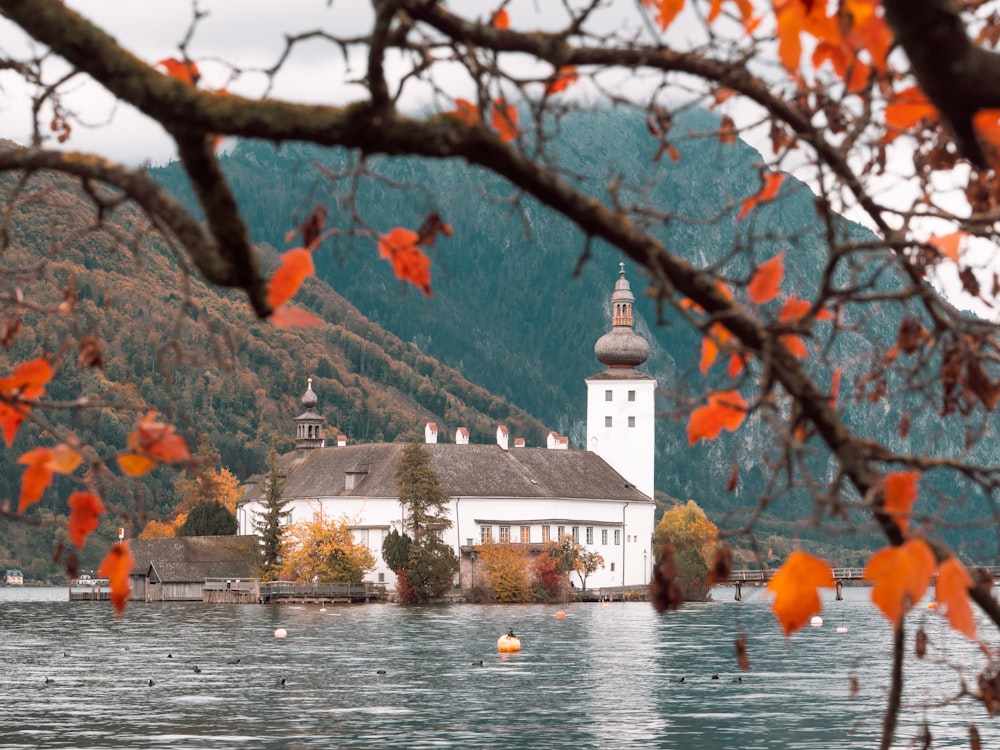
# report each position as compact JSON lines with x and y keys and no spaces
{"x":309,"y":424}
{"x":621,"y":406}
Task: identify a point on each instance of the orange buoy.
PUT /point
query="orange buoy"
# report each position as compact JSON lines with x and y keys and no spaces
{"x":509,"y":643}
{"x":560,"y":614}
{"x":932,"y":605}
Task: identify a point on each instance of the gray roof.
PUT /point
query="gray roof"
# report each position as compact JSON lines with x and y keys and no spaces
{"x":195,"y":558}
{"x":463,"y":470}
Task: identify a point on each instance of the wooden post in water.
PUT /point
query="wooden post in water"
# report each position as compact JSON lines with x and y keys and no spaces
{"x":739,"y":591}
{"x":840,"y":590}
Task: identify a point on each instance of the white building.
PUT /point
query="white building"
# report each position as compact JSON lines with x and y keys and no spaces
{"x":502,"y":491}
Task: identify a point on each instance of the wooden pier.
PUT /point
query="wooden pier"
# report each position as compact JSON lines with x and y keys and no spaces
{"x":290,"y":592}
{"x":90,"y":590}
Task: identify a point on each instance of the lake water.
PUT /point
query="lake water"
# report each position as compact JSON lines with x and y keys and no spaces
{"x":603,"y":677}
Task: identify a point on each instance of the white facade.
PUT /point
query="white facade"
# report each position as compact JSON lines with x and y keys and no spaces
{"x":620,"y":426}
{"x":529,"y":495}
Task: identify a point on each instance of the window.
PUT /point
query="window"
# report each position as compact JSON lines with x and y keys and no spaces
{"x":381,"y":577}
{"x":631,"y":421}
{"x":504,"y":534}
{"x":525,"y":534}
{"x":612,"y":567}
{"x":560,"y":530}
{"x":607,"y":395}
{"x":604,"y":536}
{"x":607,"y":421}
{"x":545,"y":533}
{"x":618,"y":536}
{"x":590,"y":535}
{"x":631,"y":395}
{"x":486,"y":533}
{"x":576,"y":534}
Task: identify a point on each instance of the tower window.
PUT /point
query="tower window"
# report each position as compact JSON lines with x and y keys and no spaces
{"x":607,"y":395}
{"x":631,"y":421}
{"x":604,"y":536}
{"x":631,"y":395}
{"x":618,"y":536}
{"x":607,"y":421}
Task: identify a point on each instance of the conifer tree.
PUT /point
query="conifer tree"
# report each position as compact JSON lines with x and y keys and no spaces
{"x":431,"y":564}
{"x":424,"y":502}
{"x":268,"y":524}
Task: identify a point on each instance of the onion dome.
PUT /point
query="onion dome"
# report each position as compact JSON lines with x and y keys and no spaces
{"x":622,"y":346}
{"x":309,"y":398}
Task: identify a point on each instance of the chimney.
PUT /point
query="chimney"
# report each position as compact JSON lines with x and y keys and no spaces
{"x":430,"y":433}
{"x":341,"y":441}
{"x":518,"y":442}
{"x":462,"y":436}
{"x":557,"y":442}
{"x":503,"y":437}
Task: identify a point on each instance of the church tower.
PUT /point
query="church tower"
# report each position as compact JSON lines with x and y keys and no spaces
{"x":309,"y":424}
{"x":621,"y":400}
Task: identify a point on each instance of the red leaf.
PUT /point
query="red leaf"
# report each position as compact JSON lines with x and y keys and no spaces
{"x":289,"y":316}
{"x":795,"y":588}
{"x":772,"y":184}
{"x":900,"y":576}
{"x":116,"y":567}
{"x":37,"y":477}
{"x":795,"y":345}
{"x":666,"y":11}
{"x":505,"y":120}
{"x":501,"y":20}
{"x":296,"y":264}
{"x":765,"y":284}
{"x":28,"y":382}
{"x":410,"y":263}
{"x":182,"y":70}
{"x":85,"y":512}
{"x":466,"y":111}
{"x":561,"y":80}
{"x":725,"y":410}
{"x":947,"y":244}
{"x":794,"y":309}
{"x":952,"y":590}
{"x":899,"y":491}
{"x":907,"y":108}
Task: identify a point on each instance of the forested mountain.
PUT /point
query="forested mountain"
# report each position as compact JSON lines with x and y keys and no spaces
{"x":199,"y":357}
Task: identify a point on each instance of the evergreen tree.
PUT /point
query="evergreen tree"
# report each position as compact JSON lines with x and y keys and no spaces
{"x":268,"y":523}
{"x":425,"y":504}
{"x":396,"y":550}
{"x":430,"y":568}
{"x":431,"y":565}
{"x":210,"y":518}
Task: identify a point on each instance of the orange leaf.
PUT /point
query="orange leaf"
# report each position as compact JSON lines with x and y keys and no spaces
{"x":709,"y":351}
{"x":85,"y":512}
{"x":36,"y":477}
{"x":27,"y":382}
{"x":116,"y":567}
{"x":987,"y":126}
{"x":765,"y":284}
{"x":795,"y":588}
{"x":501,"y":20}
{"x":835,"y":387}
{"x":794,"y":309}
{"x":900,"y":576}
{"x":182,"y":70}
{"x":907,"y":108}
{"x":727,"y":131}
{"x":152,"y":442}
{"x":296,"y":264}
{"x":135,"y":465}
{"x":899,"y":491}
{"x":288,"y":316}
{"x":789,"y":25}
{"x":725,"y":410}
{"x":666,"y":11}
{"x":505,"y":120}
{"x":466,"y":111}
{"x":952,"y":591}
{"x":409,"y":262}
{"x":947,"y":245}
{"x":736,"y":363}
{"x":561,"y":80}
{"x":772,"y":184}
{"x":795,"y":345}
